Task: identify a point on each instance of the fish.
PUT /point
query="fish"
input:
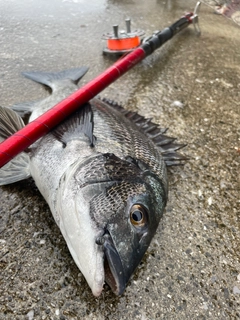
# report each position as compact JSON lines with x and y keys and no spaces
{"x":103,"y":173}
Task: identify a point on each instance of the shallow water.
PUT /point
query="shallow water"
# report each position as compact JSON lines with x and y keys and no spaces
{"x":192,"y":86}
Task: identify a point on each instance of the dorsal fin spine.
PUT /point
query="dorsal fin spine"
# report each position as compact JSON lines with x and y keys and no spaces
{"x":155,"y":133}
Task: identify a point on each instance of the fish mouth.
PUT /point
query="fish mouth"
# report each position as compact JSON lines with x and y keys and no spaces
{"x":113,"y":268}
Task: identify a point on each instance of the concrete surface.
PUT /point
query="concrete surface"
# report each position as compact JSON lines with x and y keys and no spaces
{"x":192,"y":86}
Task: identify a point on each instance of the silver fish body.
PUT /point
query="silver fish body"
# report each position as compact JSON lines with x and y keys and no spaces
{"x":103,"y":174}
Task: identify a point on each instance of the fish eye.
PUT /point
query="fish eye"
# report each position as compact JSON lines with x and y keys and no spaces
{"x":138,"y":215}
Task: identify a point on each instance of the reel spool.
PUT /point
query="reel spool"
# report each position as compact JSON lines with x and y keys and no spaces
{"x":121,"y":42}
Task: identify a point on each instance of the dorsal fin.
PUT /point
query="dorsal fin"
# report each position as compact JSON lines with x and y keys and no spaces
{"x":152,"y":130}
{"x":76,"y":124}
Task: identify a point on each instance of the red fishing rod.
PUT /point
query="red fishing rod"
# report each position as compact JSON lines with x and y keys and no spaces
{"x":23,"y":138}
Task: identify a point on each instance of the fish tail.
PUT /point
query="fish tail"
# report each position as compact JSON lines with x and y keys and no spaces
{"x":18,"y":168}
{"x":24,"y":109}
{"x":49,"y":78}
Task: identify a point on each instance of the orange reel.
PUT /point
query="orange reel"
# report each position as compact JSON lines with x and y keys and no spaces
{"x":120,"y":42}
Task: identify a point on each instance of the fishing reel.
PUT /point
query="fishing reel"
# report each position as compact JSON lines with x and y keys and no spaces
{"x":121,"y":42}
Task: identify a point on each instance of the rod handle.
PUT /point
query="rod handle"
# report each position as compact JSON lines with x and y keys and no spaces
{"x":159,"y":38}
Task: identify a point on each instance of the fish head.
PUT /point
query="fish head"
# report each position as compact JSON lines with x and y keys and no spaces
{"x":128,"y":233}
{"x":112,"y":210}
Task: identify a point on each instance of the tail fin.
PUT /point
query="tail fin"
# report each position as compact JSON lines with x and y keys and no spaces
{"x":25,"y":108}
{"x":18,"y":168}
{"x":48,"y":78}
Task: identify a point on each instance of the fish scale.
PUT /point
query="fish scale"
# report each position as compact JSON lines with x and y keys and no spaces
{"x":135,"y":145}
{"x":104,"y":206}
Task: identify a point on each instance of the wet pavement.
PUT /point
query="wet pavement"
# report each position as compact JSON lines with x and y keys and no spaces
{"x":192,"y":86}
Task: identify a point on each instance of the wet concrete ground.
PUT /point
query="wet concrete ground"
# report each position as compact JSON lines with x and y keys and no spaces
{"x":192,"y":269}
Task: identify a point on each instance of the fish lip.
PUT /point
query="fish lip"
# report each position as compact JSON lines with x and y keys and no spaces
{"x":113,"y":268}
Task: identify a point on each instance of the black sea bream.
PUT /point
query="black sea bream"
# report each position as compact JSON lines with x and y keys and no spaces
{"x":103,"y":174}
